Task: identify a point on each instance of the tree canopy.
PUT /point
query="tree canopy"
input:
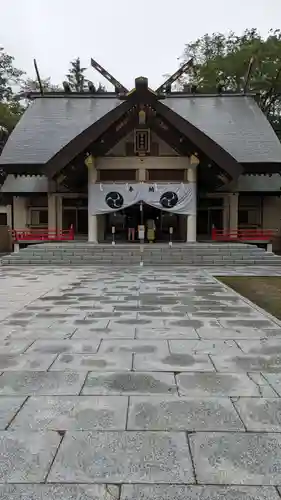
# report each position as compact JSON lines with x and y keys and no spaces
{"x":217,"y":58}
{"x":10,"y":108}
{"x":32,"y":85}
{"x":9,"y":76}
{"x":77,"y":80}
{"x":226,"y":58}
{"x":76,"y":77}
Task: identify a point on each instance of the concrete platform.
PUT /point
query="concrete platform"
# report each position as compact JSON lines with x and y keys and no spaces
{"x":168,"y":369}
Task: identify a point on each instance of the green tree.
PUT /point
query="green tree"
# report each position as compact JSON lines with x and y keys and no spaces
{"x":9,"y":116}
{"x":101,"y":88}
{"x":10,"y":107}
{"x":219,"y":57}
{"x":76,"y":77}
{"x":32,"y":85}
{"x":9,"y":76}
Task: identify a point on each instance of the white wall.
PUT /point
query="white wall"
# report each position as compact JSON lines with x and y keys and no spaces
{"x":272,"y":218}
{"x":20,"y":212}
{"x":120,"y":148}
{"x":272,"y":213}
{"x":147,"y":162}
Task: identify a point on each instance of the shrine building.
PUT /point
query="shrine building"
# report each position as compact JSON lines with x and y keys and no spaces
{"x":183,"y":159}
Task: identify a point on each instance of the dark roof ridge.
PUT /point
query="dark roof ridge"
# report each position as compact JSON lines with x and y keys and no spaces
{"x":75,"y":95}
{"x":107,"y":95}
{"x":197,"y":95}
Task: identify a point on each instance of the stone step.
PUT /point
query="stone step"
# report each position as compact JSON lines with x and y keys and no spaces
{"x":146,"y":247}
{"x":146,"y":252}
{"x":133,"y":264}
{"x":153,"y":257}
{"x":193,"y":254}
{"x":169,"y":253}
{"x":117,"y":249}
{"x":200,"y":261}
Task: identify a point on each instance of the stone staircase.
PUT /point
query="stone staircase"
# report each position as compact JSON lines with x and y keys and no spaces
{"x":186,"y":254}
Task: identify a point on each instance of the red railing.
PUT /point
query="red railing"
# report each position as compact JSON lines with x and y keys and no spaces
{"x":22,"y":235}
{"x":243,"y":234}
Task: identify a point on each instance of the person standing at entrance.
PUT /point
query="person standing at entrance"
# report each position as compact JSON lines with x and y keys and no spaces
{"x":151,"y":228}
{"x":131,"y":228}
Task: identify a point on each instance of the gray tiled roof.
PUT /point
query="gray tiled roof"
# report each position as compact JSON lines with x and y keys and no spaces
{"x":235,"y":122}
{"x":25,"y":184}
{"x":50,"y":124}
{"x":258,"y":183}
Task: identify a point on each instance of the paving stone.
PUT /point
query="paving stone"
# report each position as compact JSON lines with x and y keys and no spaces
{"x":34,"y":333}
{"x":266,"y":346}
{"x":29,"y":383}
{"x":26,"y":361}
{"x":93,"y":362}
{"x":275,"y":332}
{"x":230,"y":333}
{"x":237,"y":458}
{"x":60,"y":492}
{"x":173,"y":363}
{"x":260,"y":414}
{"x":166,"y":333}
{"x":217,"y":314}
{"x":60,"y":346}
{"x":48,"y":333}
{"x":182,"y":414}
{"x":17,"y":323}
{"x":265,"y":390}
{"x":165,"y":315}
{"x":215,"y":347}
{"x":274,"y":380}
{"x":17,"y":347}
{"x":26,"y":457}
{"x":174,"y":323}
{"x":255,"y":323}
{"x":156,"y":347}
{"x":147,"y":457}
{"x":247,"y":363}
{"x":198,"y":316}
{"x":104,"y":333}
{"x":93,"y":323}
{"x":175,"y":492}
{"x":130,"y":383}
{"x":72,"y":413}
{"x":148,"y":323}
{"x":214,"y":384}
{"x":9,"y":406}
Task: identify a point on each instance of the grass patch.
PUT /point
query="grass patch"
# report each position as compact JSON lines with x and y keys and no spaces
{"x":264,"y":291}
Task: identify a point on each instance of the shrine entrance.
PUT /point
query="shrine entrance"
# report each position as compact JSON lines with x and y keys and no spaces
{"x":141,"y":214}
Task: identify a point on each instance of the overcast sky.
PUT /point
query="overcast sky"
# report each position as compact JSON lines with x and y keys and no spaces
{"x":129,"y":38}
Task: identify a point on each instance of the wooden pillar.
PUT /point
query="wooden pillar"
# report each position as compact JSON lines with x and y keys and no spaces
{"x":19,"y":212}
{"x":233,"y":211}
{"x":191,"y":230}
{"x":92,"y":219}
{"x":52,"y":212}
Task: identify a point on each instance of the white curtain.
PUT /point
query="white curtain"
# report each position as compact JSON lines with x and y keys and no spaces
{"x":177,"y":198}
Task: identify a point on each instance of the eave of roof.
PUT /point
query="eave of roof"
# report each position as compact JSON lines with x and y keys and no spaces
{"x":48,"y":125}
{"x":71,"y":95}
{"x":70,"y":123}
{"x":235,"y":122}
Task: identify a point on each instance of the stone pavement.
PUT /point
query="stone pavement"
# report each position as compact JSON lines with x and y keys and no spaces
{"x":136,"y":384}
